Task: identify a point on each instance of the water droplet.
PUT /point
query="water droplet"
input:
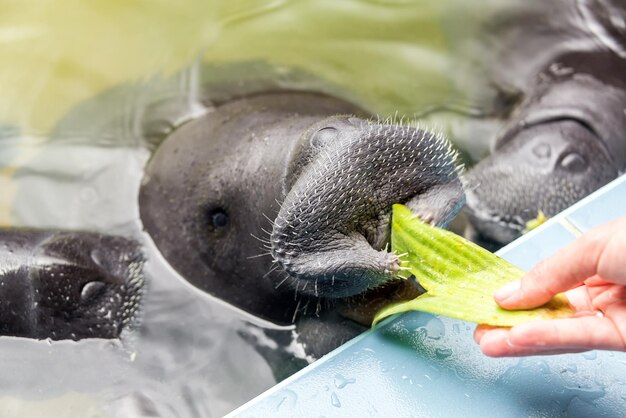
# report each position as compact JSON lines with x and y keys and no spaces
{"x":408,"y":379}
{"x":288,"y":399}
{"x":456,"y":328}
{"x":435,"y":329}
{"x":591,"y":355}
{"x":432,"y":374}
{"x":442,"y":353}
{"x":420,"y":335}
{"x":570,"y":367}
{"x":341,"y":382}
{"x":334,"y":400}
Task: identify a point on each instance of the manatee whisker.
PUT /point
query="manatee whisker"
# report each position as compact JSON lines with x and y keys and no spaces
{"x":268,"y":218}
{"x":305,"y":308}
{"x":271,"y":271}
{"x":258,"y":255}
{"x":295,"y":312}
{"x":264,"y":241}
{"x":282,"y":281}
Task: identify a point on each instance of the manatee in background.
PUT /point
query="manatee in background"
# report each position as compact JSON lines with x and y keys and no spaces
{"x":566,"y":137}
{"x":67,"y":285}
{"x":296,"y":174}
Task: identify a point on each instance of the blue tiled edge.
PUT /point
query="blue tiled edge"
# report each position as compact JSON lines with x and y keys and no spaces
{"x":418,"y":364}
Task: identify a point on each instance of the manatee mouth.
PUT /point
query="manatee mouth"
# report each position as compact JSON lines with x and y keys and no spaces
{"x":490,"y":227}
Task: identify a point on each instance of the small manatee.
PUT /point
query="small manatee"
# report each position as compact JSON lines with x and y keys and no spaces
{"x":557,"y":117}
{"x":308,"y":177}
{"x":67,"y":285}
{"x":566,"y":140}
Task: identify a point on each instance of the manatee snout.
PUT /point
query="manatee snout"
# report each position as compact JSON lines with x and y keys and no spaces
{"x":546,"y":167}
{"x":333,"y":229}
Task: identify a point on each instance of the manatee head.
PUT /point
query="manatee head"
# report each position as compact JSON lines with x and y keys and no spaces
{"x":271,"y":199}
{"x":85,"y":285}
{"x":568,"y":140}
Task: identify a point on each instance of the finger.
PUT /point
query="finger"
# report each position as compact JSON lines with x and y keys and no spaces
{"x":580,"y":300}
{"x":566,"y":269}
{"x":481,"y":330}
{"x":582,"y":333}
{"x":609,"y":295}
{"x":596,"y":281}
{"x":496,"y":343}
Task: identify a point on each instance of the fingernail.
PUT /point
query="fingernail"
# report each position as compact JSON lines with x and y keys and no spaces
{"x":506,"y":291}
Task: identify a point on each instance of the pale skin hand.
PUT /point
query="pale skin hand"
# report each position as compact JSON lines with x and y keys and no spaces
{"x":592,"y":273}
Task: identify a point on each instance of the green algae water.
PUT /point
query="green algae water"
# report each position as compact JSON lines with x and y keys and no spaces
{"x":87,"y":91}
{"x":388,"y":56}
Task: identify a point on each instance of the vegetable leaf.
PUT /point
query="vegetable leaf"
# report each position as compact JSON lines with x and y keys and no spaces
{"x":459,"y":276}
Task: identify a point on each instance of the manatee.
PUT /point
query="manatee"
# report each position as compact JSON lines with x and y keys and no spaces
{"x":280,"y":200}
{"x":67,"y":284}
{"x":566,"y":137}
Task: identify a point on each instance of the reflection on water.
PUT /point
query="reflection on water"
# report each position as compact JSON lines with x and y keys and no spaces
{"x":88,"y":91}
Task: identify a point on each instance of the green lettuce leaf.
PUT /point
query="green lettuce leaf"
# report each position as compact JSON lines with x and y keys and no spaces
{"x":459,"y":276}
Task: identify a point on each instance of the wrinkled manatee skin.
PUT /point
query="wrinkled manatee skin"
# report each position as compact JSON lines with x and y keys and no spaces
{"x":67,"y":285}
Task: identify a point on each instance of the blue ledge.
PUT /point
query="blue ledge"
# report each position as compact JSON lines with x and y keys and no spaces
{"x":422,"y":365}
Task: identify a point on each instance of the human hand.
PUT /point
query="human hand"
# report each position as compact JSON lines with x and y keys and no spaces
{"x":592,"y":273}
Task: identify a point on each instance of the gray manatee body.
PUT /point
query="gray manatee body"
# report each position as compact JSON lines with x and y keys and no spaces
{"x":567,"y":137}
{"x":67,"y":285}
{"x":272,"y":201}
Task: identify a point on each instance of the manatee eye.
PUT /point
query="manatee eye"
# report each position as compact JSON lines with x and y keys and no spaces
{"x":323,"y":136}
{"x":573,"y":162}
{"x":218,"y":218}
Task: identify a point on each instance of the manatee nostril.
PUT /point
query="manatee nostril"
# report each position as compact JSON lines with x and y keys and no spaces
{"x":218,"y":218}
{"x":91,"y":291}
{"x":573,"y":162}
{"x":542,"y":150}
{"x":323,"y":135}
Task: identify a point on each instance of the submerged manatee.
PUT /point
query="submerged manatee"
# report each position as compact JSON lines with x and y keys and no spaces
{"x":300,"y":173}
{"x":67,"y":285}
{"x":567,"y":136}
